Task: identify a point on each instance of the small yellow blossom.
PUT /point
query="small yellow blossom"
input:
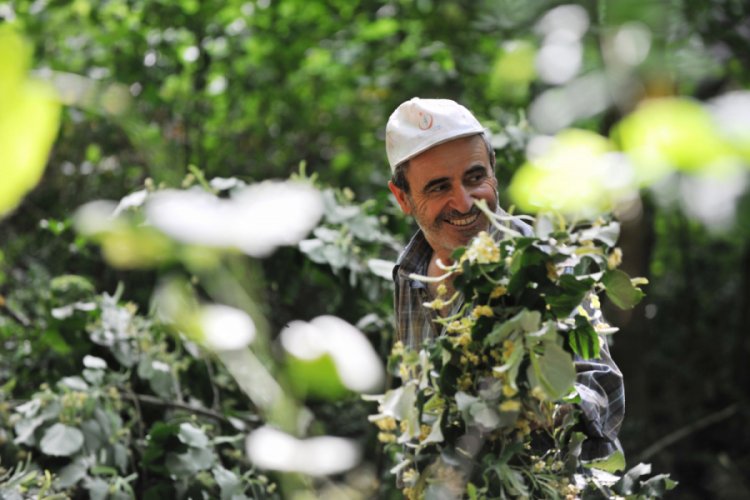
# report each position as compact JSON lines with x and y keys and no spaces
{"x":510,"y":405}
{"x":508,"y":347}
{"x":498,"y":292}
{"x":409,"y":476}
{"x":465,"y":382}
{"x":539,"y":393}
{"x":615,"y":258}
{"x":398,"y":348}
{"x":583,"y":312}
{"x":424,"y":431}
{"x":436,"y":304}
{"x":462,"y":340}
{"x":639,"y":281}
{"x":442,"y":290}
{"x":595,"y":303}
{"x":539,"y":466}
{"x":509,"y":391}
{"x":551,"y":271}
{"x":386,"y":424}
{"x":386,"y":437}
{"x":602,"y":326}
{"x":480,"y":311}
{"x":483,"y":250}
{"x":523,"y":426}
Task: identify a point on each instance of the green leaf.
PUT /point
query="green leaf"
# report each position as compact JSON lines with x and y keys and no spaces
{"x":569,"y":295}
{"x":553,"y":371}
{"x":620,"y":290}
{"x":190,"y":462}
{"x":192,"y":435}
{"x":61,"y":440}
{"x":317,"y":378}
{"x":71,"y":474}
{"x":229,"y":484}
{"x":584,"y":340}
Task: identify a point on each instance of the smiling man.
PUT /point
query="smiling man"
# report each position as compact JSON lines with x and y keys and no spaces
{"x":441,"y":161}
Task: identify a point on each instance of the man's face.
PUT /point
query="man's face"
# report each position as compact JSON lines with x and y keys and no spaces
{"x":444,"y":181}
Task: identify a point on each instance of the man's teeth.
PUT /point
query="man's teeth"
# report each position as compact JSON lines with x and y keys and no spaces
{"x":465,"y":221}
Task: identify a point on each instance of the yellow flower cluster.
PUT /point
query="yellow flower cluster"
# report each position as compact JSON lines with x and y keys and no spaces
{"x":483,"y":250}
{"x":469,"y":357}
{"x":436,"y":304}
{"x":510,"y":405}
{"x":460,"y":327}
{"x":498,"y":292}
{"x":480,"y":311}
{"x":386,"y":437}
{"x":424,"y":431}
{"x":508,"y":347}
{"x":386,"y":425}
{"x":615,"y":258}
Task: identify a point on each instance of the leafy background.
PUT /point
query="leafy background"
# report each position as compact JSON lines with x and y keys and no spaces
{"x":252,"y":89}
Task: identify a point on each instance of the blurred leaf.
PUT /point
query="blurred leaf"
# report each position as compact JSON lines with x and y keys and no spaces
{"x":61,"y":440}
{"x":620,"y":289}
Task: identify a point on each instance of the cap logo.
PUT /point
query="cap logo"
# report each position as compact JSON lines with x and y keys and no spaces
{"x":425,"y":121}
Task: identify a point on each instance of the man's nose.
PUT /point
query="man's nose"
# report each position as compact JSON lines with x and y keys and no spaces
{"x":462,"y":200}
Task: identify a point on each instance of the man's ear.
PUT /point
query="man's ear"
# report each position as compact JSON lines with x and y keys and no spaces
{"x":401,"y":197}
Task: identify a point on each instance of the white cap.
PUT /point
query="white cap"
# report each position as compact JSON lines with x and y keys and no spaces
{"x":419,"y":124}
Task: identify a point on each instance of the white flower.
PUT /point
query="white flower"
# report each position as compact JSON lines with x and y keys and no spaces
{"x":269,"y":448}
{"x":226,"y":328}
{"x":357,"y":363}
{"x":256,"y":220}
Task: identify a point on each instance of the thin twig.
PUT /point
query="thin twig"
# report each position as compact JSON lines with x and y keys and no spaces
{"x":152,"y":400}
{"x":684,"y":432}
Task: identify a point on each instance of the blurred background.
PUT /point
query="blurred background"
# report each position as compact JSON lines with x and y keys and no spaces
{"x":179,"y":93}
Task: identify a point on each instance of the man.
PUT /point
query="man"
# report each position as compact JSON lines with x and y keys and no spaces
{"x":441,"y":161}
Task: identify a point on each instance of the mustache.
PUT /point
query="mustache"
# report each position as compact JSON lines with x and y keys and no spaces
{"x":455,"y":214}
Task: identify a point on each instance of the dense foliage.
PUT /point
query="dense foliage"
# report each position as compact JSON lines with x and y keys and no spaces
{"x":158,"y":93}
{"x":485,"y":410}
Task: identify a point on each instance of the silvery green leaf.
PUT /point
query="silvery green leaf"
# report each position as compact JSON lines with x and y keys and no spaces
{"x":398,"y":401}
{"x":94,"y":362}
{"x":98,"y":488}
{"x":229,"y":484}
{"x":61,"y":440}
{"x":607,"y":234}
{"x":24,"y":430}
{"x":530,"y":320}
{"x":71,"y":474}
{"x":94,"y":377}
{"x":192,"y":435}
{"x":29,"y":408}
{"x":92,"y":434}
{"x":484,"y":416}
{"x":464,"y":401}
{"x":554,"y":371}
{"x":190,"y":462}
{"x":436,"y":434}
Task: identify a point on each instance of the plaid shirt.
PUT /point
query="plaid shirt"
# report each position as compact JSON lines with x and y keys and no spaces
{"x":598,"y":381}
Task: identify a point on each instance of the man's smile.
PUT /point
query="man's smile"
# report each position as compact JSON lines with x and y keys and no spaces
{"x":463,"y":221}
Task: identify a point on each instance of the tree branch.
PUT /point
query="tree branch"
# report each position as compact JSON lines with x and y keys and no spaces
{"x":154,"y":401}
{"x":685,"y":431}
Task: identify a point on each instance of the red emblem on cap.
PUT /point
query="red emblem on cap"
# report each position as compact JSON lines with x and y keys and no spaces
{"x":425,"y":121}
